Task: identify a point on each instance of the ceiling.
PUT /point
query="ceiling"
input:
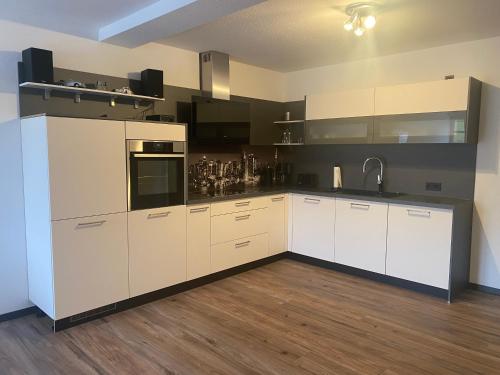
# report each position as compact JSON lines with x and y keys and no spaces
{"x":283,"y":35}
{"x":287,"y":35}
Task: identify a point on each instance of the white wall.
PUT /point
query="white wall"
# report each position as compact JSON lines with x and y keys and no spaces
{"x":70,"y":52}
{"x":480,"y":59}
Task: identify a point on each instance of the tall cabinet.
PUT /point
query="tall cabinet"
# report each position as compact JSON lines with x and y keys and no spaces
{"x":75,"y":208}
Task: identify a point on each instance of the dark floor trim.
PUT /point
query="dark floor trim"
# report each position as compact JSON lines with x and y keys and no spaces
{"x":19,"y":313}
{"x":159,"y":294}
{"x":485,"y":289}
{"x":437,"y":292}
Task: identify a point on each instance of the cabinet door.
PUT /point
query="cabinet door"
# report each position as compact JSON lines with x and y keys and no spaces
{"x":419,"y":244}
{"x":87,"y":167}
{"x":90,"y":260}
{"x":263,"y":113}
{"x":313,"y":226}
{"x":360,"y":234}
{"x":277,"y":224}
{"x":341,"y":104}
{"x":355,"y":130}
{"x":234,"y":253}
{"x":198,"y":241}
{"x":157,"y":248}
{"x":437,"y":96}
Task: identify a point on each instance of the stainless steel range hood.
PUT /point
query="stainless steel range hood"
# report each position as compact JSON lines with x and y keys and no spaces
{"x":214,"y":75}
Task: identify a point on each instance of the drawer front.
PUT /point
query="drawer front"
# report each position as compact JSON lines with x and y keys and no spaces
{"x":419,"y":244}
{"x":239,"y":205}
{"x":157,"y":248}
{"x":238,"y":225}
{"x":234,"y":253}
{"x":90,"y":257}
{"x":198,"y":241}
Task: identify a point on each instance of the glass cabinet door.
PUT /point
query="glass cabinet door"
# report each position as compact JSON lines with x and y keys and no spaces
{"x":442,"y":127}
{"x":354,"y":130}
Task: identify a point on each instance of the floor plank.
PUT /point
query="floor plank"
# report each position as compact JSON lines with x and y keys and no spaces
{"x":283,"y":318}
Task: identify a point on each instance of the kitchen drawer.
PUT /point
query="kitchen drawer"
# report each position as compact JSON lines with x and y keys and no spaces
{"x":238,"y":225}
{"x":157,"y":248}
{"x":90,"y":260}
{"x":233,"y":253}
{"x":239,"y":205}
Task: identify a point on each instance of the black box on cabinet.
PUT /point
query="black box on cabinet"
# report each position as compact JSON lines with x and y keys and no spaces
{"x":38,"y":65}
{"x":152,"y":83}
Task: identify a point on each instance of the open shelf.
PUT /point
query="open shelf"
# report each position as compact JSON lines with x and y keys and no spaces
{"x":288,"y":122}
{"x":77,"y":91}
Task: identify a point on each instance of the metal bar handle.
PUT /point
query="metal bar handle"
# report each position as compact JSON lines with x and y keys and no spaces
{"x":241,"y":204}
{"x":422,"y":213}
{"x":91,"y":224}
{"x":159,"y":214}
{"x":244,"y":217}
{"x":277,"y":199}
{"x":360,"y":206}
{"x":242,"y":244}
{"x":311,"y":200}
{"x":201,"y":209}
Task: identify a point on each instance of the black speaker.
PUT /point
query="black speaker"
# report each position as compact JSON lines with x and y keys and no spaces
{"x":152,"y":83}
{"x":38,"y":66}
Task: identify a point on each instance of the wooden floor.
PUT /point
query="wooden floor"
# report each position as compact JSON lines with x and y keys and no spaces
{"x":283,"y":318}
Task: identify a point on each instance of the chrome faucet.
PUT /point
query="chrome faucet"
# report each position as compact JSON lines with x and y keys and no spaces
{"x":380,"y":176}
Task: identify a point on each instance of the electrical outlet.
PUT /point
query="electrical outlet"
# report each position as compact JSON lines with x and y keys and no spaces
{"x":433,"y":186}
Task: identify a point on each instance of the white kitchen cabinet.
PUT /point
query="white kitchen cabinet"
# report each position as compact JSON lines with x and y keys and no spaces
{"x":277,"y":223}
{"x":237,"y":225}
{"x":313,"y":226}
{"x":155,"y":131}
{"x":198,"y":241}
{"x":419,"y":244}
{"x":87,"y":166}
{"x":238,"y":205}
{"x":340,"y":104}
{"x":423,"y":97}
{"x":157,"y":248}
{"x":237,"y":252}
{"x":360,"y":234}
{"x":90,"y":260}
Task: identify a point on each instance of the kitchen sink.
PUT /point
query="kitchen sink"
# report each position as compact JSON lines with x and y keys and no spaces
{"x":369,"y":193}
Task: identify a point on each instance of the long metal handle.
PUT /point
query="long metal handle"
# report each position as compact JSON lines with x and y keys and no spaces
{"x":201,"y":209}
{"x":422,"y":213}
{"x":242,"y":244}
{"x":159,"y":214}
{"x":91,"y":224}
{"x":311,"y":200}
{"x":138,"y":156}
{"x":240,"y":204}
{"x":277,"y":199}
{"x":360,"y":206}
{"x":244,"y":217}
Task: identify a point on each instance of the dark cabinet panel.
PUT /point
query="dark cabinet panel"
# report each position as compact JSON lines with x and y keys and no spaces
{"x":357,"y":130}
{"x":263,"y":113}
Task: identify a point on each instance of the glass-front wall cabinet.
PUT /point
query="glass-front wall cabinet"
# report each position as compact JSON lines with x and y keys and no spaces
{"x":339,"y":131}
{"x":441,"y":127}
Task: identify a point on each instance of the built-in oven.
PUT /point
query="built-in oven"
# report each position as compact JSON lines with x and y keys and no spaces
{"x":155,"y":174}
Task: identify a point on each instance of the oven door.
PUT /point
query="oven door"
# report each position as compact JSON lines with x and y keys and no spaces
{"x":155,"y":180}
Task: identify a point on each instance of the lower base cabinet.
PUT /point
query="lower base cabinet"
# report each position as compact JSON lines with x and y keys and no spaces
{"x":157,"y":248}
{"x":234,"y":253}
{"x":313,"y":226}
{"x":277,"y":224}
{"x":90,"y":260}
{"x":360,"y":234}
{"x":198,"y":241}
{"x":419,"y":244}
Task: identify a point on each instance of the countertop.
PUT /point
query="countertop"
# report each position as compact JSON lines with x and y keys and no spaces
{"x":399,"y":198}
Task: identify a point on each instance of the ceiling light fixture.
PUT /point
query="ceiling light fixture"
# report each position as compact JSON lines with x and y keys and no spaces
{"x":361,"y":17}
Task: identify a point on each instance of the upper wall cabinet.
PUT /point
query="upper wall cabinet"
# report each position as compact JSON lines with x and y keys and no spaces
{"x":437,"y":96}
{"x":342,"y":104}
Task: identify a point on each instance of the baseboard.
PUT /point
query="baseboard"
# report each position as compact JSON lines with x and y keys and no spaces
{"x":159,"y":294}
{"x":485,"y":289}
{"x":417,"y":287}
{"x":19,"y":313}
